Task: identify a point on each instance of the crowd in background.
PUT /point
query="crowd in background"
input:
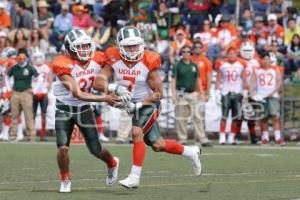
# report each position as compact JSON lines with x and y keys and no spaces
{"x":167,"y":26}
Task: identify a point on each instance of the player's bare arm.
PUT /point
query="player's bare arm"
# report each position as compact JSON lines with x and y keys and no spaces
{"x":155,"y":84}
{"x":101,"y":81}
{"x":252,"y":84}
{"x":278,"y":84}
{"x":71,"y":85}
{"x":173,"y":88}
{"x":244,"y":79}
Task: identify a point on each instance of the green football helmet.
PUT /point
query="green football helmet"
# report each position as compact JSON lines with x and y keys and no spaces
{"x":130,"y":36}
{"x":79,"y":45}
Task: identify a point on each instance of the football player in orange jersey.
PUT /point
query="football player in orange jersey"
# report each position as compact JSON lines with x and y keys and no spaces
{"x":247,"y":52}
{"x":264,"y":89}
{"x":75,"y":73}
{"x":137,"y":70}
{"x":230,"y":90}
{"x":40,"y":87}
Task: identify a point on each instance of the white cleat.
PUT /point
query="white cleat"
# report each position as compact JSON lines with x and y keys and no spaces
{"x":131,"y":182}
{"x":222,"y":139}
{"x":231,"y":139}
{"x":112,"y":173}
{"x":65,"y":186}
{"x":102,"y":138}
{"x":20,"y":138}
{"x":197,"y":167}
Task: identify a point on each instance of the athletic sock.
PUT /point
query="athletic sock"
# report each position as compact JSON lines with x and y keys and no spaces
{"x":111,"y":162}
{"x":277,"y":135}
{"x":137,"y":170}
{"x":43,"y":130}
{"x":223,"y":126}
{"x":265,"y":135}
{"x":99,"y":124}
{"x":172,"y":147}
{"x":64,"y":176}
{"x":139,"y":151}
{"x":188,"y":152}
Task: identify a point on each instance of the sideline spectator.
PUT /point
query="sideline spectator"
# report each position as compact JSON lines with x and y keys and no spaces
{"x":175,"y":47}
{"x":20,"y":39}
{"x":41,"y":86}
{"x":275,"y":32}
{"x":81,"y":18}
{"x":21,"y":99}
{"x":5,"y":21}
{"x":45,"y":18}
{"x":185,"y":86}
{"x":37,"y":43}
{"x":292,"y":63}
{"x":63,"y":23}
{"x":198,"y":12}
{"x":259,"y":34}
{"x":100,"y":34}
{"x":23,"y":18}
{"x":3,"y":41}
{"x":275,"y":55}
{"x":292,"y":28}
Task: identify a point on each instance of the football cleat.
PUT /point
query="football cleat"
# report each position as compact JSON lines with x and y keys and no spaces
{"x":222,"y":139}
{"x":112,"y":173}
{"x":103,"y":138}
{"x":265,"y":142}
{"x":131,"y":182}
{"x":65,"y":186}
{"x":19,"y":138}
{"x":280,"y":143}
{"x":231,"y":139}
{"x":197,"y":167}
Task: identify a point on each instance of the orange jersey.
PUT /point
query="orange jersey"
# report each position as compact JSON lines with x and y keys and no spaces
{"x":5,"y":21}
{"x":176,"y":47}
{"x":65,"y":65}
{"x":205,"y":69}
{"x":134,"y":76}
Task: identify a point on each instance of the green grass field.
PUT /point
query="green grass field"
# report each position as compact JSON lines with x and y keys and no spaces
{"x":29,"y":171}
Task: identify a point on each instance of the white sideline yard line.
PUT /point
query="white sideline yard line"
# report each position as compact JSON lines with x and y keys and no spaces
{"x":208,"y":184}
{"x":130,"y":145}
{"x":142,"y":177}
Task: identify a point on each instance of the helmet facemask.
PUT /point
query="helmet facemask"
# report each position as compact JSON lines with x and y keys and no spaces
{"x":132,"y":52}
{"x":84,"y":50}
{"x":79,"y":45}
{"x":130,"y":43}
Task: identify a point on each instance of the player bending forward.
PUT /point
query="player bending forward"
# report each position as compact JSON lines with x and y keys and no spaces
{"x":137,"y":70}
{"x":75,"y":72}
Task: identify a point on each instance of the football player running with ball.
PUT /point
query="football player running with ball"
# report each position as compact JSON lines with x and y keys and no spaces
{"x":75,"y":74}
{"x":137,"y":70}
